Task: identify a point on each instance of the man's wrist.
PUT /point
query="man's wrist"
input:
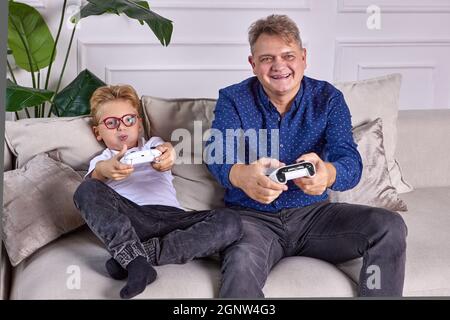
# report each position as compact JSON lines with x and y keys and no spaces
{"x":331,"y":174}
{"x":235,"y":174}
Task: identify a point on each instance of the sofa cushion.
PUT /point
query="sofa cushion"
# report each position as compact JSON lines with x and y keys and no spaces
{"x":196,"y":188}
{"x":7,"y":158}
{"x":50,"y":274}
{"x":427,"y":245}
{"x":378,"y":98}
{"x":424,"y":147}
{"x":374,"y":188}
{"x":72,"y":137}
{"x":44,"y":275}
{"x":38,"y":205}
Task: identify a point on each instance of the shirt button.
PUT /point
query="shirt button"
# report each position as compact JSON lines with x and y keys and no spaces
{"x":281,"y":146}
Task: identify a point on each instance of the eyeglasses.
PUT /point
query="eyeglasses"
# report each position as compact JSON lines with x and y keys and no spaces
{"x":113,"y":122}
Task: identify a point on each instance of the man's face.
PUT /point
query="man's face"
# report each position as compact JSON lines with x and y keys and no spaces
{"x":278,"y":65}
{"x":114,"y":139}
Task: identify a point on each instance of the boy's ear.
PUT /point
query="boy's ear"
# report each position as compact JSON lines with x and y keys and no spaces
{"x":96,"y":133}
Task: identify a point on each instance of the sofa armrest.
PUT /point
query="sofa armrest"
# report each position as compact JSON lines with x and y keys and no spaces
{"x":423,"y":147}
{"x":8,"y":158}
{"x":5,"y":274}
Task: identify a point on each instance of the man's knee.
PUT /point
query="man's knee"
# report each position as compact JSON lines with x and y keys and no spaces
{"x":231,"y":222}
{"x":242,"y":260}
{"x":392,"y":227}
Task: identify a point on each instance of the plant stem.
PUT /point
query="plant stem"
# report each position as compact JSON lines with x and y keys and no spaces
{"x":56,"y":42}
{"x":50,"y":111}
{"x":62,"y":72}
{"x":65,"y":60}
{"x":11,"y":71}
{"x":37,"y":110}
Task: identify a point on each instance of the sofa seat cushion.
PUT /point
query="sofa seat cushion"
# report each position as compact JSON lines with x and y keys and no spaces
{"x":49,"y":273}
{"x":428,"y":252}
{"x":296,"y":277}
{"x":44,"y":275}
{"x":428,"y":248}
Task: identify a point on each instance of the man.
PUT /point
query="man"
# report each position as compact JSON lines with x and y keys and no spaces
{"x":312,"y":122}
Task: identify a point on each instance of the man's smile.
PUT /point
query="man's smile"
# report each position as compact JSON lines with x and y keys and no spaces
{"x":281,"y":76}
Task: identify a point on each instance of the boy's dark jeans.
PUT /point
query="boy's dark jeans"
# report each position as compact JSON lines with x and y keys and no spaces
{"x":129,"y":230}
{"x":334,"y":232}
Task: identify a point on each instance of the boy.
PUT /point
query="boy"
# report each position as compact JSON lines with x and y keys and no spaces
{"x":133,"y":209}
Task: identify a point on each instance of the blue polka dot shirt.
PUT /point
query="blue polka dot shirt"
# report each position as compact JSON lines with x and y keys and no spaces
{"x":317,"y":121}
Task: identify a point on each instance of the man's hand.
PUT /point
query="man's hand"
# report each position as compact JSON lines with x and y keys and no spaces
{"x":113,"y":168}
{"x":253,"y":181}
{"x":324,"y":177}
{"x":166,"y":160}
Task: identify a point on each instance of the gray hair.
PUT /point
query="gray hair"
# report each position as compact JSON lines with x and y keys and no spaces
{"x":274,"y":24}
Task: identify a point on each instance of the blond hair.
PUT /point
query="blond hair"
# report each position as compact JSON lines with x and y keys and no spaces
{"x":279,"y":25}
{"x":111,"y":93}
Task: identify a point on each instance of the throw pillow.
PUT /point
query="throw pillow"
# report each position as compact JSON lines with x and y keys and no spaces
{"x":378,"y":98}
{"x":375,"y":188}
{"x":196,"y":188}
{"x":72,"y":137}
{"x":38,"y":205}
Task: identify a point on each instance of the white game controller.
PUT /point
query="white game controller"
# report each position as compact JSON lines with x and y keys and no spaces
{"x":137,"y":157}
{"x":293,"y":171}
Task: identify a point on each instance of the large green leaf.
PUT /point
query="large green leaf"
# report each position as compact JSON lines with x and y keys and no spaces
{"x":139,"y":10}
{"x":18,"y":97}
{"x":73,"y":100}
{"x":28,"y":22}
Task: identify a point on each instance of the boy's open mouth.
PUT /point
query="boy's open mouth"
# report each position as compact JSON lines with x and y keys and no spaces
{"x":123,"y":137}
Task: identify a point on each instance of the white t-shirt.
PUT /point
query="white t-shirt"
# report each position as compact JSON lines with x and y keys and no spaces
{"x":145,"y":185}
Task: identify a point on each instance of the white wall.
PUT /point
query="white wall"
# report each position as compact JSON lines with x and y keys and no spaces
{"x":209,"y":45}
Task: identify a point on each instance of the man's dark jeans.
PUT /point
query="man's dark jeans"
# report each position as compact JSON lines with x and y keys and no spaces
{"x":163,"y":234}
{"x":334,"y":232}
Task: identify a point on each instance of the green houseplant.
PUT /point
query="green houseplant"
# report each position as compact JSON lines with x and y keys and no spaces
{"x":34,"y":48}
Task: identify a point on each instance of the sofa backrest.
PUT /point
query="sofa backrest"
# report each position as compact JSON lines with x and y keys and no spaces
{"x":423,"y":147}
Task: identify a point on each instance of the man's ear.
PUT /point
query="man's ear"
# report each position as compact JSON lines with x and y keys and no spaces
{"x":304,"y":57}
{"x":96,"y":133}
{"x":252,"y":62}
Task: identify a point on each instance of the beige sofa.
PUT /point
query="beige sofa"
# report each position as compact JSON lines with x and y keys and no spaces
{"x":423,"y":150}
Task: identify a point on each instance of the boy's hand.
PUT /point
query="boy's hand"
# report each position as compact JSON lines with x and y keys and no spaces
{"x":113,"y":168}
{"x":166,"y":160}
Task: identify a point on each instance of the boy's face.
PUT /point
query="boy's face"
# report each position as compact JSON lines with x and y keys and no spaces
{"x":116,"y":138}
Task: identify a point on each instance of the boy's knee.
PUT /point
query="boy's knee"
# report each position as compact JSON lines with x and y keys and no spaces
{"x":87,"y":188}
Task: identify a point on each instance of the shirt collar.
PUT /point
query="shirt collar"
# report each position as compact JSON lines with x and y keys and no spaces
{"x":264,"y":98}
